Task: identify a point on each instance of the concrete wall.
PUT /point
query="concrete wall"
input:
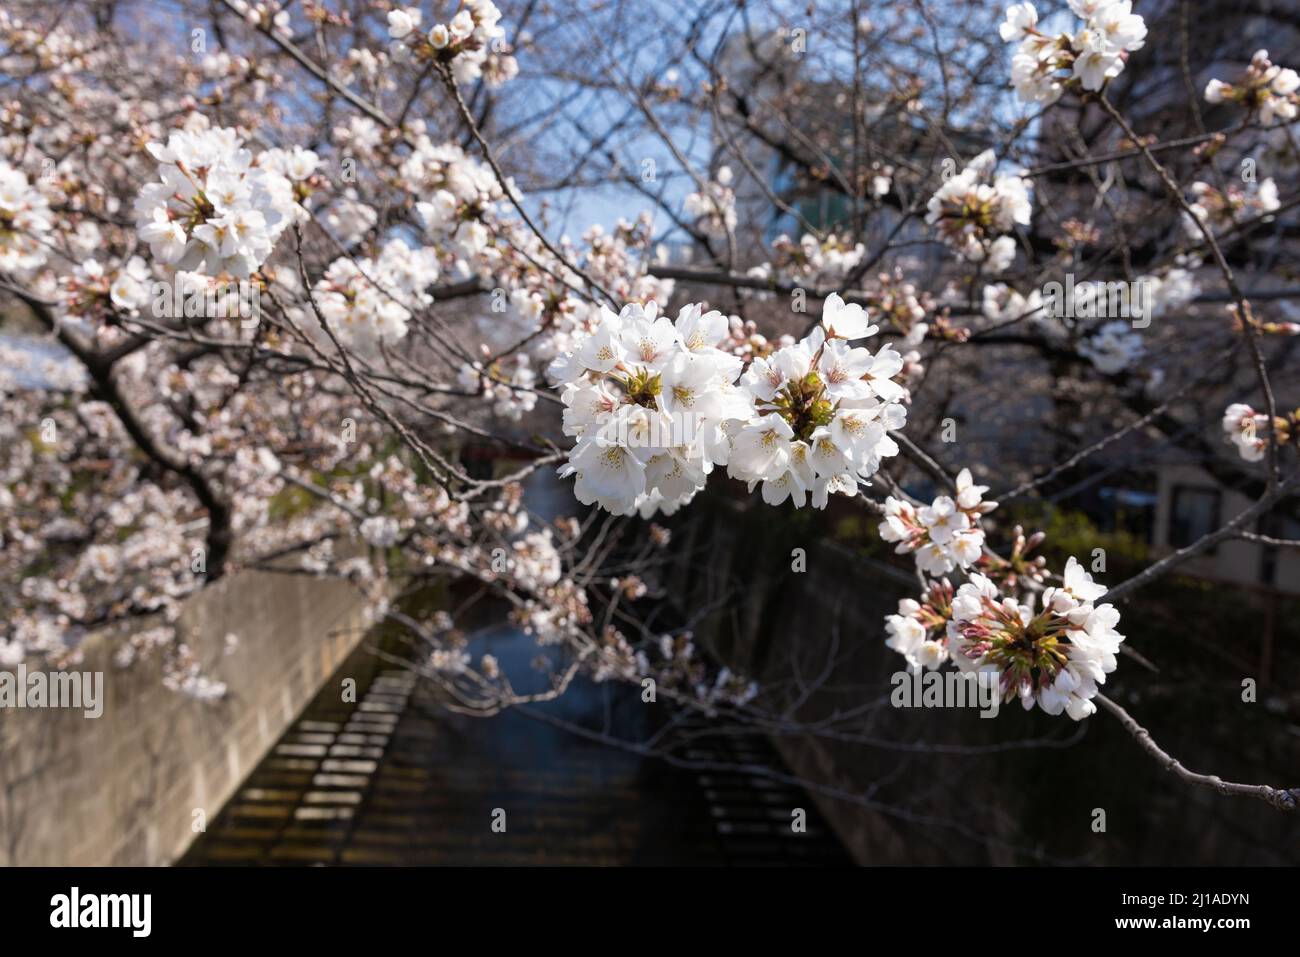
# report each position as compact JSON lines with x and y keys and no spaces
{"x":122,"y":789}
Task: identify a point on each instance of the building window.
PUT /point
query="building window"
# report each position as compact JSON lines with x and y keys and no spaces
{"x":1274,"y":526}
{"x":1194,"y":515}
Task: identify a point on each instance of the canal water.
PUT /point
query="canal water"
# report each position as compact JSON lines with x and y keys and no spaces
{"x":396,"y":779}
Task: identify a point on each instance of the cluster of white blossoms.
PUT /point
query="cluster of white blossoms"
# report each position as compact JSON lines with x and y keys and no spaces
{"x":1166,"y":293}
{"x":1047,"y":645}
{"x":976,"y":209}
{"x":214,"y":209}
{"x":912,"y":312}
{"x":24,"y":219}
{"x":1218,"y":209}
{"x":381,"y":531}
{"x":535,"y":562}
{"x":811,"y":260}
{"x":1055,"y":657}
{"x":894,"y":303}
{"x":368,"y":302}
{"x":461,"y":191}
{"x":559,"y":613}
{"x":296,"y":168}
{"x":1003,"y":304}
{"x":347,"y":218}
{"x":1045,"y":65}
{"x":823,"y":411}
{"x":508,"y":384}
{"x":93,"y":292}
{"x":713,"y":207}
{"x":1112,"y":348}
{"x":472,"y":41}
{"x":533,"y":315}
{"x":919,"y":631}
{"x":943,"y":535}
{"x":268,"y":16}
{"x":655,"y":406}
{"x":617,"y":259}
{"x":647,"y":400}
{"x":1246,"y":430}
{"x":1175,"y":289}
{"x":1265,"y":86}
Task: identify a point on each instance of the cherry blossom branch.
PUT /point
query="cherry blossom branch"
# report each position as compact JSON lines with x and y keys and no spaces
{"x":220,"y":534}
{"x":1239,"y":298}
{"x":319,"y":72}
{"x":453,"y":91}
{"x":1281,"y":799}
{"x":1268,"y":540}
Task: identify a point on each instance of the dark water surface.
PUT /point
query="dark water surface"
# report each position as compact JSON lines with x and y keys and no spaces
{"x":396,"y":779}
